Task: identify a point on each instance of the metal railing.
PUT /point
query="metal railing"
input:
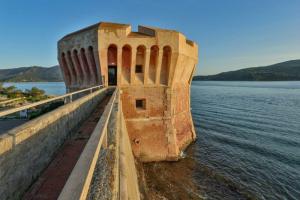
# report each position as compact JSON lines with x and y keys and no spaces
{"x":68,"y":96}
{"x":11,"y":101}
{"x":78,"y":183}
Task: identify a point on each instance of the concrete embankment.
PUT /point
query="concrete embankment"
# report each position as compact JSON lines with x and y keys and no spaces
{"x":26,"y":150}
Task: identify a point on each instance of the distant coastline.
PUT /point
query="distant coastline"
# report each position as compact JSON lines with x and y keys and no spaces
{"x":284,"y":71}
{"x":28,"y":81}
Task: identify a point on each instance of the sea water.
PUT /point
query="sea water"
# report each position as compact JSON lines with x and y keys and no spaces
{"x":51,"y":88}
{"x":248,"y":143}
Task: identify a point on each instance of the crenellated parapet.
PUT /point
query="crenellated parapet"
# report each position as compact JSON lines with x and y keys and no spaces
{"x":152,"y":67}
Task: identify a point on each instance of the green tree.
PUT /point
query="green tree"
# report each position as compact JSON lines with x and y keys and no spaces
{"x":16,"y":94}
{"x":35,"y":94}
{"x":1,"y":87}
{"x":10,"y":91}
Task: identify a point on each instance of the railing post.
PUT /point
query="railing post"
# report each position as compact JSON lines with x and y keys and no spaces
{"x":103,"y":80}
{"x":71,"y":98}
{"x":104,"y":142}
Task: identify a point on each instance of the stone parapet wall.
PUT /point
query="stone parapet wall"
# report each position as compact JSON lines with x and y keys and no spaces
{"x":115,"y":175}
{"x":129,"y":188}
{"x":26,"y":150}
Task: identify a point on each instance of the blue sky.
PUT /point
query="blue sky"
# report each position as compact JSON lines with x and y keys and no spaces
{"x":231,"y":34}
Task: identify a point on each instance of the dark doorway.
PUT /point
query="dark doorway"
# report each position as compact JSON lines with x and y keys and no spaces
{"x":112,"y":75}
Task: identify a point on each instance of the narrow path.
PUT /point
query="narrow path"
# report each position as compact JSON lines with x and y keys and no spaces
{"x":52,"y":180}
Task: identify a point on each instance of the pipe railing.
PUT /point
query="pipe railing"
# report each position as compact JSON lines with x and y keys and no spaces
{"x":65,"y":96}
{"x":11,"y":101}
{"x":79,"y":181}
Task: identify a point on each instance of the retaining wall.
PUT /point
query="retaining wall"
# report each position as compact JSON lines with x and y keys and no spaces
{"x":115,"y":174}
{"x":26,"y":150}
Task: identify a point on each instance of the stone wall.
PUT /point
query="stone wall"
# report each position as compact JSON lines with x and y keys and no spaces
{"x":26,"y":150}
{"x":105,"y":181}
{"x":129,"y":188}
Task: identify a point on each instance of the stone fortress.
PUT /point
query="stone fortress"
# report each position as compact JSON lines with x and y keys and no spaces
{"x":153,"y":69}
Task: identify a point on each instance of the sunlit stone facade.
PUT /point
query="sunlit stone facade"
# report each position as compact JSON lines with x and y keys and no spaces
{"x":153,"y":69}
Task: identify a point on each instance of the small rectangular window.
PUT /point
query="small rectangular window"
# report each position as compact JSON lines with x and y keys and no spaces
{"x":140,"y":104}
{"x":139,"y":69}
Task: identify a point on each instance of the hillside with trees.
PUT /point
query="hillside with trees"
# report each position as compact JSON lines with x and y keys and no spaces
{"x":31,"y":74}
{"x":284,"y":71}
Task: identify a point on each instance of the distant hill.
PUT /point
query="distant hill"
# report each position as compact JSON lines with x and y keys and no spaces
{"x":31,"y":74}
{"x":284,"y":71}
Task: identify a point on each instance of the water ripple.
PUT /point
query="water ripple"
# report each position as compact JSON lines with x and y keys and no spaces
{"x":249,"y":139}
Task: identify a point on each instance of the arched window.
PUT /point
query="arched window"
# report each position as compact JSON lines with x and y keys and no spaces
{"x":93,"y":63}
{"x":77,"y":64}
{"x":85,"y":64}
{"x":126,"y":63}
{"x":72,"y":67}
{"x":65,"y":69}
{"x":153,"y":63}
{"x":165,"y":65}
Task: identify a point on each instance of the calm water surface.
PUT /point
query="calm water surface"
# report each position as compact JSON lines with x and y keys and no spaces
{"x":51,"y":88}
{"x":248,"y":143}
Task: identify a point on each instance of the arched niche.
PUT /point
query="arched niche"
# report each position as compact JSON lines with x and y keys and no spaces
{"x":112,"y":55}
{"x":72,"y":67}
{"x":77,"y":64}
{"x":85,"y":65}
{"x":93,"y":63}
{"x":165,"y":65}
{"x":153,"y":63}
{"x":112,"y":61}
{"x":140,"y":62}
{"x":65,"y":69}
{"x":126,"y":62}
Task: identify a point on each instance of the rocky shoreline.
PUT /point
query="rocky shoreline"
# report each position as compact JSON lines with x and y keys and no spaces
{"x":169,"y":180}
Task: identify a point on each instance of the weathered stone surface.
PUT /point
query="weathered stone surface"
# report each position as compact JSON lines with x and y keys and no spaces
{"x":115,"y":175}
{"x":104,"y":182}
{"x":6,"y":143}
